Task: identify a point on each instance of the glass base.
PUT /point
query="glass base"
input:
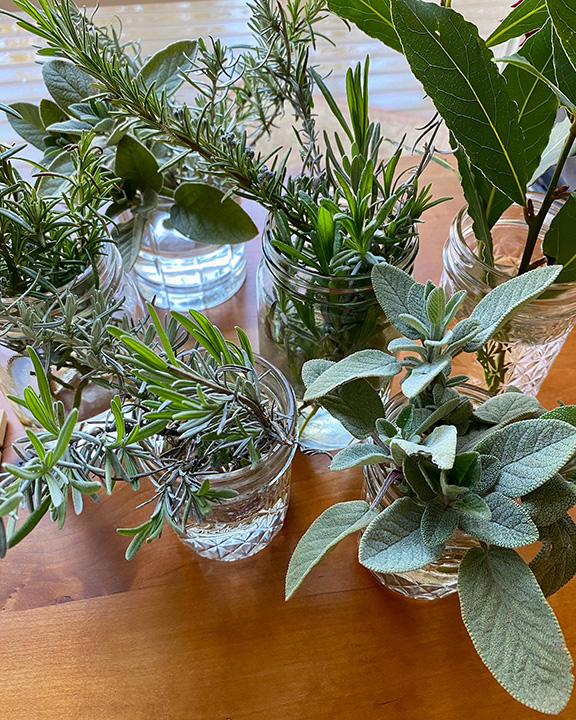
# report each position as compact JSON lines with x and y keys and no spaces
{"x":318,"y":430}
{"x":182,"y":274}
{"x":229,"y":542}
{"x":420,"y":585}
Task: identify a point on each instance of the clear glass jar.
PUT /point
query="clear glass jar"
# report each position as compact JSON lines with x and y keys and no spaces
{"x":439,"y":578}
{"x":16,"y":370}
{"x":303,"y":315}
{"x":524,"y":350}
{"x":245,"y":524}
{"x":182,"y":273}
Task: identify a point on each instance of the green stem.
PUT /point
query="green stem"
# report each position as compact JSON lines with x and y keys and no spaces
{"x":535,"y":223}
{"x":307,"y":420}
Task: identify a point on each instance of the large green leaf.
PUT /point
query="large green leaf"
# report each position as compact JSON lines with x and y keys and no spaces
{"x":204,"y":214}
{"x":529,"y":15}
{"x":508,"y":407}
{"x":440,"y":445}
{"x":550,"y":501}
{"x":474,"y":505}
{"x":522,"y":63}
{"x":51,"y":113}
{"x":537,"y":104}
{"x":564,"y":71}
{"x":135,"y":163}
{"x":393,"y":541}
{"x":472,"y":185}
{"x":392,"y":287}
{"x":457,"y":71}
{"x":563,"y":16}
{"x":509,"y":524}
{"x":362,"y":364}
{"x":500,"y":304}
{"x":357,"y":405}
{"x":527,"y":454}
{"x":66,"y":83}
{"x":514,"y":629}
{"x":165,"y":67}
{"x":560,"y":243}
{"x":358,"y":455}
{"x":371,"y":16}
{"x":553,"y":149}
{"x":70,"y":127}
{"x":29,"y":123}
{"x":322,"y":536}
{"x":423,"y":375}
{"x":555,"y":564}
{"x":438,"y":523}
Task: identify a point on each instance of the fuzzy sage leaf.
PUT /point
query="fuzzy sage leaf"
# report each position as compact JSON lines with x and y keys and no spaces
{"x":393,"y":541}
{"x":322,"y":536}
{"x":527,"y":454}
{"x":496,"y":586}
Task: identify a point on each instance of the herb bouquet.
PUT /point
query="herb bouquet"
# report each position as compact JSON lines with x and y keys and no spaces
{"x":210,"y":431}
{"x":344,"y":212}
{"x":501,"y":119}
{"x":61,"y":280}
{"x":175,"y":220}
{"x":456,"y":480}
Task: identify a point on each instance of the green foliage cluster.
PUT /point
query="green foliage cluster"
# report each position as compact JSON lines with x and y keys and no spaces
{"x":232,"y":90}
{"x":501,"y":117}
{"x":502,"y":122}
{"x":183,"y":416}
{"x":501,"y":472}
{"x":46,"y":241}
{"x":228,"y":152}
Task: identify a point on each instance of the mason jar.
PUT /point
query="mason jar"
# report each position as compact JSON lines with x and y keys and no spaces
{"x":303,"y":315}
{"x":182,"y":273}
{"x":16,"y":370}
{"x":439,"y":578}
{"x":522,"y":352}
{"x":241,"y":526}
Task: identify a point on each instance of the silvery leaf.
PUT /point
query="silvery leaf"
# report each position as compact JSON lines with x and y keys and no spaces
{"x":393,"y":541}
{"x":513,"y":628}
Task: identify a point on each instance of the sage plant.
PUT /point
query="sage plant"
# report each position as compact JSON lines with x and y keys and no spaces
{"x":501,"y":472}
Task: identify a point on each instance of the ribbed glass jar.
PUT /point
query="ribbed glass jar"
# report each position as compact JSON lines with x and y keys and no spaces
{"x":439,"y":578}
{"x":303,"y":315}
{"x":182,"y":273}
{"x":243,"y":525}
{"x":16,"y":371}
{"x":524,"y":350}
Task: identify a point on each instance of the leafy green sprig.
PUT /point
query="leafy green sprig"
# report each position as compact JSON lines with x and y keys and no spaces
{"x":46,"y":242}
{"x":229,"y":154}
{"x":501,"y":472}
{"x":184,"y":417}
{"x":502,"y":121}
{"x":364,"y":212}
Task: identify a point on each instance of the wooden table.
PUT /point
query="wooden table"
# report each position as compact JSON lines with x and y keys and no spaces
{"x":86,"y":635}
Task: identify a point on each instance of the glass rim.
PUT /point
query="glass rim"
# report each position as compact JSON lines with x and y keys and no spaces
{"x":473,"y":389}
{"x":276,"y":258}
{"x":109,"y":250}
{"x":246,"y":472}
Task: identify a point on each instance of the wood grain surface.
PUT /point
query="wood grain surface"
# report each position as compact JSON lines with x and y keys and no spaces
{"x":85,"y":635}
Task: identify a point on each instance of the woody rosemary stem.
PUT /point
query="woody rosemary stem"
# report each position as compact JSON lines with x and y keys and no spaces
{"x":536,"y":222}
